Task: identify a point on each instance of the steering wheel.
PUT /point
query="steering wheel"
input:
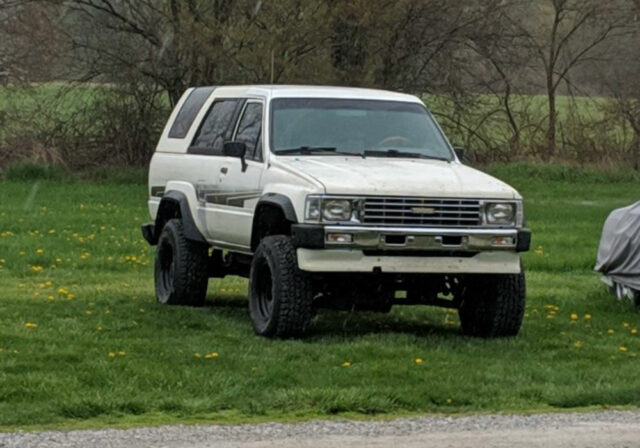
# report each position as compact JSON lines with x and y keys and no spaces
{"x":393,"y":138}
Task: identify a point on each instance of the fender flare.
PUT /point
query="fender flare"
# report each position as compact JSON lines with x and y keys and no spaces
{"x":166,"y":210}
{"x":277,"y":200}
{"x":281,"y":201}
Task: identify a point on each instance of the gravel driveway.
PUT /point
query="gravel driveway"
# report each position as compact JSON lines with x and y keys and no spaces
{"x":596,"y":429}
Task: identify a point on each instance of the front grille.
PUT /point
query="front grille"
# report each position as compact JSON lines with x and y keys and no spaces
{"x":423,"y":212}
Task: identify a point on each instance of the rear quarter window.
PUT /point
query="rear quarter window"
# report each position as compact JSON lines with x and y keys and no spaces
{"x":188,"y":111}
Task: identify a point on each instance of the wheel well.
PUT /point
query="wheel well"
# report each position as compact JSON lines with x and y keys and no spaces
{"x":167,"y":210}
{"x":174,"y":204}
{"x":269,"y":219}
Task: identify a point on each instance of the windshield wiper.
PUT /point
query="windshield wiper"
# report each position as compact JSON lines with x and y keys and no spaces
{"x":307,"y":150}
{"x":407,"y":154}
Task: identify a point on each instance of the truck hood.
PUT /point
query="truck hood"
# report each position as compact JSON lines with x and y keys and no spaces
{"x":399,"y":177}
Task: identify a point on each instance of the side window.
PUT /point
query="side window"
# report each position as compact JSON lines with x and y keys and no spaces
{"x":215,"y":128}
{"x":188,"y":111}
{"x":250,"y":130}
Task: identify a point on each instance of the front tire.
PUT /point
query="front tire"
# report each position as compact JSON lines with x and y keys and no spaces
{"x":280,"y":294}
{"x":181,"y":275}
{"x":492,"y":305}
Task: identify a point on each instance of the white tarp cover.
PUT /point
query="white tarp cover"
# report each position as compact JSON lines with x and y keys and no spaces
{"x":619,"y":251}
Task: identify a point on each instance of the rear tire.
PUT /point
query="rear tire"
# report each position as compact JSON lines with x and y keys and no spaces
{"x":492,"y":305}
{"x":280,"y":294}
{"x":181,"y":267}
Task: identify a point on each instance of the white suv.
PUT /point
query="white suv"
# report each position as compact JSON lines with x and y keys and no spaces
{"x":330,"y":197}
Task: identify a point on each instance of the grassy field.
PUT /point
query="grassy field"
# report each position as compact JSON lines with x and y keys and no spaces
{"x":82,"y":342}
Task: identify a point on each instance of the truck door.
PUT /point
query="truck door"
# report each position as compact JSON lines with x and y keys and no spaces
{"x":239,"y":188}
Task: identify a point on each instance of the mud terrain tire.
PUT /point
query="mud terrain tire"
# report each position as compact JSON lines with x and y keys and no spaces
{"x":180,"y":268}
{"x":280,"y":294}
{"x":492,"y":305}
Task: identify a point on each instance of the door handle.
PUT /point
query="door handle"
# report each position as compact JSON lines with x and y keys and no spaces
{"x":224,"y":170}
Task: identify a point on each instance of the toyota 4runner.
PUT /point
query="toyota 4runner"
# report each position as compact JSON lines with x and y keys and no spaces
{"x":330,"y":197}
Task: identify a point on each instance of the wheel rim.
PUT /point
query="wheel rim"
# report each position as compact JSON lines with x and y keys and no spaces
{"x":264,"y":291}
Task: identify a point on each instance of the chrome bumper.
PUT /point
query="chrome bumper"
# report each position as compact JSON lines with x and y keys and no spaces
{"x":410,"y":238}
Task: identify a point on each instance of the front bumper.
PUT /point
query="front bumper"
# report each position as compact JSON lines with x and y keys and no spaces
{"x":341,"y":260}
{"x":409,"y":250}
{"x":404,"y":239}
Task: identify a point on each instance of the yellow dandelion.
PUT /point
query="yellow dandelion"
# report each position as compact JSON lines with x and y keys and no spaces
{"x":578,"y":344}
{"x":346,"y":364}
{"x":625,"y":324}
{"x":112,"y":354}
{"x":622,"y":348}
{"x":88,"y":312}
{"x":610,"y":331}
{"x":538,"y":250}
{"x":40,"y":251}
{"x":449,"y":401}
{"x":197,"y":355}
{"x":50,"y":298}
{"x":574,"y":316}
{"x":211,"y":355}
{"x":99,"y":327}
{"x":31,"y":325}
{"x":121,"y":353}
{"x":418,"y":361}
{"x":142,"y":310}
{"x":587,"y":317}
{"x":70,"y":296}
{"x":36,"y":268}
{"x":634,"y":331}
{"x":63,"y":291}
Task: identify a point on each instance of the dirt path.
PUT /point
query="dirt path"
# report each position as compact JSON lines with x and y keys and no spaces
{"x":596,"y":429}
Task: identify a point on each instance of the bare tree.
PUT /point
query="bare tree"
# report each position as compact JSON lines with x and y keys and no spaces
{"x":623,"y":83}
{"x":561,"y":35}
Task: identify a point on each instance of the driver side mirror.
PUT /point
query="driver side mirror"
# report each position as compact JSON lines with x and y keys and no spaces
{"x":460,"y":152}
{"x":236,"y":149}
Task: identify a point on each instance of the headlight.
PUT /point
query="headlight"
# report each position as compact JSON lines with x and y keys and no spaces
{"x":500,"y":213}
{"x":319,"y":208}
{"x":336,"y":210}
{"x":504,"y":213}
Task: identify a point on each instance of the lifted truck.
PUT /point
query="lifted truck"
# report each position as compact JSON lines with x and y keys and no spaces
{"x":330,"y":197}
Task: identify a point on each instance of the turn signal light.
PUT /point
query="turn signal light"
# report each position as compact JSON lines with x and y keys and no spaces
{"x":339,"y":237}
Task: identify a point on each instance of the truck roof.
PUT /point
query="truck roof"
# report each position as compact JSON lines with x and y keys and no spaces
{"x":296,"y":91}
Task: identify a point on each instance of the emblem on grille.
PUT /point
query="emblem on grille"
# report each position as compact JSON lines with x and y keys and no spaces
{"x":423,"y":210}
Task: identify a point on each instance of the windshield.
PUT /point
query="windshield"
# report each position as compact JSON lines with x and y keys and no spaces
{"x":322,"y":126}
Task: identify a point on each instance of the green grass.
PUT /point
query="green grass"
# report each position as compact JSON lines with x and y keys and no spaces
{"x":82,"y":342}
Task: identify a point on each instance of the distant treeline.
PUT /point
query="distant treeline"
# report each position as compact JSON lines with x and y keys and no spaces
{"x":508,"y":79}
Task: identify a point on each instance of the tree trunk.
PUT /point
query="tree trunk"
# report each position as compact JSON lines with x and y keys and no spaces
{"x":635,"y":148}
{"x":551,"y":129}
